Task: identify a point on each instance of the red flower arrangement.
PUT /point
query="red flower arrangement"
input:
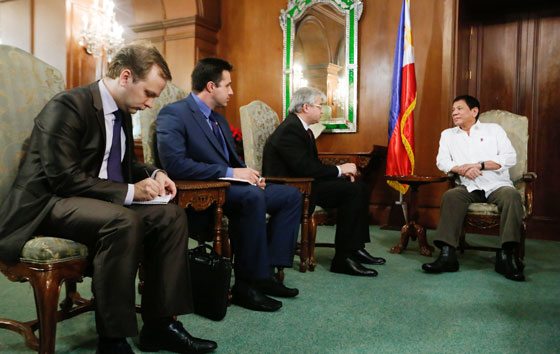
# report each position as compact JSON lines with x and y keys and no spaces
{"x":236,"y":132}
{"x":238,"y":139}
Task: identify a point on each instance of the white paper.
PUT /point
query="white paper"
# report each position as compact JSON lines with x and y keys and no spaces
{"x":160,"y":199}
{"x":238,"y":180}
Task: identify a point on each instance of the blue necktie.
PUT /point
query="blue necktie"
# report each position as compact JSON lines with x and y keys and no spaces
{"x":114,"y":166}
{"x":218,"y":133}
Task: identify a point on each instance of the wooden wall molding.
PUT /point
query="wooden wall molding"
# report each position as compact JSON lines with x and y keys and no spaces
{"x":187,"y":34}
{"x":175,"y":22}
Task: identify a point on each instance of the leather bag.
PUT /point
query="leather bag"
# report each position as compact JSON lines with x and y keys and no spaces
{"x":210,"y":277}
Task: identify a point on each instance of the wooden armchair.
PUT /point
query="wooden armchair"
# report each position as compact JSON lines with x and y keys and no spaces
{"x":192,"y":195}
{"x":26,"y":85}
{"x":484,"y":217}
{"x":258,"y":121}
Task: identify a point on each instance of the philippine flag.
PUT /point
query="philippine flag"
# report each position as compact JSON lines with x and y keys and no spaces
{"x":400,"y":152}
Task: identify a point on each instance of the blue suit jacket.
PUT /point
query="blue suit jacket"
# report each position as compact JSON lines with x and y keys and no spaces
{"x":187,"y":147}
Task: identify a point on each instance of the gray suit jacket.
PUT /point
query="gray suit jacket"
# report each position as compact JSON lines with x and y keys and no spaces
{"x":62,"y":160}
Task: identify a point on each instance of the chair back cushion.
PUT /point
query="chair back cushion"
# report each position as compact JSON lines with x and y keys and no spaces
{"x":26,"y":85}
{"x":171,"y":93}
{"x":517,"y":130}
{"x":258,"y":121}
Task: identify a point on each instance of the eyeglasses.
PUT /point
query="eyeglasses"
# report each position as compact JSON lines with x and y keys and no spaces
{"x":316,"y":106}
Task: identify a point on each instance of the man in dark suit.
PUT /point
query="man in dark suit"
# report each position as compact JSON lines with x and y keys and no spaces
{"x":195,"y":142}
{"x":291,"y":151}
{"x":79,"y":180}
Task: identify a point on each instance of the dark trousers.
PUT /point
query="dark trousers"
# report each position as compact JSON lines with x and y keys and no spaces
{"x":259,"y":246}
{"x":455,"y":203}
{"x":118,"y":239}
{"x":351,"y":200}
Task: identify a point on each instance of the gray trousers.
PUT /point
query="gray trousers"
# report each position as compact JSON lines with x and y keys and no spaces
{"x":454,"y":205}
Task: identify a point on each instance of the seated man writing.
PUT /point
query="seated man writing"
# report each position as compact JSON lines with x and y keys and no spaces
{"x":481,"y":154}
{"x":291,"y":151}
{"x":195,"y":142}
{"x":78,"y":181}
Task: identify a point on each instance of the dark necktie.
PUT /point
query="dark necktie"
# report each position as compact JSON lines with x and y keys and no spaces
{"x":312,"y":141}
{"x":114,"y":166}
{"x":310,"y":133}
{"x":218,"y":133}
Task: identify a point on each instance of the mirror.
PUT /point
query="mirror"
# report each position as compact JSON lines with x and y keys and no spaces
{"x":320,"y":50}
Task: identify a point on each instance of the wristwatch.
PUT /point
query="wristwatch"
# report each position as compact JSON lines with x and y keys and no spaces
{"x":481,"y":165}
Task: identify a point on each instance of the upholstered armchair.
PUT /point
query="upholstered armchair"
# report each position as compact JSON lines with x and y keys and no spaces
{"x":170,"y":94}
{"x":258,"y":121}
{"x":197,"y":195}
{"x":485,"y":217}
{"x":26,"y":85}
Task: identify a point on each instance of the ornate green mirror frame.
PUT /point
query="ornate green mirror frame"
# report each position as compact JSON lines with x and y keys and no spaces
{"x":342,"y":76}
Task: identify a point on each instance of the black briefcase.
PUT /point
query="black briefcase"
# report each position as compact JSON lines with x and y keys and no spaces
{"x":210,"y":279}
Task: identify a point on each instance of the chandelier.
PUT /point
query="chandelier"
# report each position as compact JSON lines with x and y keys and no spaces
{"x":101,"y":33}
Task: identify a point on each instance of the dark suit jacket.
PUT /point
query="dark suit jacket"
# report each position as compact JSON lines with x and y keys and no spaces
{"x":187,"y":147}
{"x":62,"y":160}
{"x":289,"y":151}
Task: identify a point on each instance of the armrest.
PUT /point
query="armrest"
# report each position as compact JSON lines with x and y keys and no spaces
{"x":287,"y":180}
{"x":529,"y":177}
{"x":191,"y":185}
{"x":301,"y":183}
{"x":453,"y":177}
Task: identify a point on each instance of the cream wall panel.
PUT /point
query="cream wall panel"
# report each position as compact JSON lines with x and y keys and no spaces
{"x":50,"y":33}
{"x":180,"y":58}
{"x":15,"y":24}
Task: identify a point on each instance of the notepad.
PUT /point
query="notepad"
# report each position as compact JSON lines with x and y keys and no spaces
{"x":160,"y":199}
{"x":237,"y":180}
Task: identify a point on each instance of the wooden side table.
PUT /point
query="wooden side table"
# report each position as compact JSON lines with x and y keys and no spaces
{"x":200,"y":195}
{"x":413,"y":230}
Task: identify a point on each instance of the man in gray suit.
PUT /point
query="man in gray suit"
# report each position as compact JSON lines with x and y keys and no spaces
{"x":79,"y":180}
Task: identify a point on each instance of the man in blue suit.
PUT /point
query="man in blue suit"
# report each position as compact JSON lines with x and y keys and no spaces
{"x":195,"y":142}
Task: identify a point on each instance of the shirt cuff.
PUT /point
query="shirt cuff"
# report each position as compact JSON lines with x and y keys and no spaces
{"x":129,"y":195}
{"x":339,"y":171}
{"x":156,"y":171}
{"x":229,"y":172}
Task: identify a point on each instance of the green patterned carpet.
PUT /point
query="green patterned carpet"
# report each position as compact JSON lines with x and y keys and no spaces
{"x":403,"y":310}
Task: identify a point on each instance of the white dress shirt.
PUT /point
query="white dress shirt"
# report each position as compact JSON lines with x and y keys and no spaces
{"x":110,"y":106}
{"x":486,"y":142}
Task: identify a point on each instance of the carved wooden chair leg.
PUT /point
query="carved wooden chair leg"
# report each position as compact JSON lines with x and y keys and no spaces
{"x":280,"y":274}
{"x":462,"y":242}
{"x":46,"y":288}
{"x":521,"y":249}
{"x":70,"y":299}
{"x":311,"y":261}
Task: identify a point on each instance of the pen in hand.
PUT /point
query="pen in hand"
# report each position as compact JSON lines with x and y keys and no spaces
{"x":150,"y":177}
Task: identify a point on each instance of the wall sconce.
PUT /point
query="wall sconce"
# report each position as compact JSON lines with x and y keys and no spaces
{"x":299,"y":80}
{"x":101,"y":34}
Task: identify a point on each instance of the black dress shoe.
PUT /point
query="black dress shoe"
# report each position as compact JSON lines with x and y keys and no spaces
{"x":509,"y":265}
{"x":364,"y":257}
{"x":252,"y":298}
{"x":351,"y":267}
{"x":273,"y":287}
{"x":113,"y":346}
{"x":174,"y":338}
{"x":446,"y":261}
